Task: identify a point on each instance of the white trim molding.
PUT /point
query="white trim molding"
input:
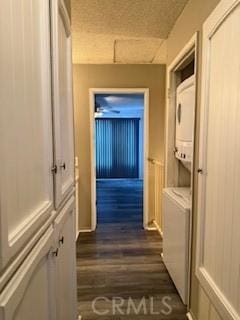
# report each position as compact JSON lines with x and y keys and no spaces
{"x":158,"y":228}
{"x":92,"y":93}
{"x":190,"y":48}
{"x":84,"y":231}
{"x":190,"y":316}
{"x":171,"y":165}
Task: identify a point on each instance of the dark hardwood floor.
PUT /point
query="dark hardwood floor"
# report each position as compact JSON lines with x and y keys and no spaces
{"x":119,"y":268}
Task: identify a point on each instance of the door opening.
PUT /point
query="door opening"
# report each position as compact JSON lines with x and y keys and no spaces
{"x":179,"y":166}
{"x":119,"y":153}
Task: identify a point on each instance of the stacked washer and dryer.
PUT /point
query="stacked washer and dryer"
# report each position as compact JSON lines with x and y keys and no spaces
{"x":177,"y":200}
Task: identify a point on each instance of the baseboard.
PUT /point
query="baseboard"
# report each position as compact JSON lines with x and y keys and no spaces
{"x":150,"y":228}
{"x":84,"y":230}
{"x":158,"y":228}
{"x":190,"y":316}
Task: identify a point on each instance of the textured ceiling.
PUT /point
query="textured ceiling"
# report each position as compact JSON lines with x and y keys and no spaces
{"x":122,"y":31}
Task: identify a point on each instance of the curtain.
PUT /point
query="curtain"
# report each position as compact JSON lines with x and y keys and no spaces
{"x":117,"y":148}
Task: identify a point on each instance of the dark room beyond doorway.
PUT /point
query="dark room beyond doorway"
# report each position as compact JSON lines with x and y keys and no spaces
{"x":119,"y":136}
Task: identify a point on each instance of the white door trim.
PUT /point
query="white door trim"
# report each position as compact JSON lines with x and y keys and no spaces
{"x":190,"y":316}
{"x":190,"y":48}
{"x":92,"y":93}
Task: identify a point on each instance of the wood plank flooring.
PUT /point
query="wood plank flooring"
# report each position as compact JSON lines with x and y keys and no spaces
{"x":119,"y":268}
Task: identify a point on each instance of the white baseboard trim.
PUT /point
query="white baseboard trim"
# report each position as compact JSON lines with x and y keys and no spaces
{"x":85,"y":230}
{"x":158,"y":228}
{"x":150,"y":228}
{"x":190,"y":316}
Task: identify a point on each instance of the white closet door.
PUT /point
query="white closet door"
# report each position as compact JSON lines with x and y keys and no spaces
{"x":26,"y":183}
{"x":218,"y":266}
{"x":31,"y":294}
{"x":62,"y":96}
{"x":66,"y":263}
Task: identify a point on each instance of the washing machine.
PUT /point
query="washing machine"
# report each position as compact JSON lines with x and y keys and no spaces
{"x":176,"y":217}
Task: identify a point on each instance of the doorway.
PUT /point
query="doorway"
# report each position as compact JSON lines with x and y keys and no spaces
{"x":179,"y":162}
{"x":119,"y":153}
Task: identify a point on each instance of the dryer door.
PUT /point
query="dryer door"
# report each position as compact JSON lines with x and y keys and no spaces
{"x":185,"y":111}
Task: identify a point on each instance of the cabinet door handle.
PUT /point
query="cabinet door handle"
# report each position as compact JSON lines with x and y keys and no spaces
{"x":63,"y":166}
{"x":54,"y":169}
{"x":61,"y":240}
{"x":179,"y":113}
{"x":55,"y":253}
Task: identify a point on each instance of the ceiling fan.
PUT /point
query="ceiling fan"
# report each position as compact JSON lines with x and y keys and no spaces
{"x":104,"y":109}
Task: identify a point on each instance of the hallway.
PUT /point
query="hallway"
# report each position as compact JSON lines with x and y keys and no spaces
{"x":120,"y":263}
{"x":119,"y":152}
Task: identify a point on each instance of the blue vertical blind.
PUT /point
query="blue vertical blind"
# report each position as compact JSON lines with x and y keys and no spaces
{"x":117,"y":148}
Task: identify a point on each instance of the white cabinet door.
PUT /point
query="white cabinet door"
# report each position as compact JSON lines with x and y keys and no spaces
{"x":62,"y":100}
{"x":66,"y":262}
{"x":26,"y":183}
{"x":218,"y":265}
{"x":30,"y":294}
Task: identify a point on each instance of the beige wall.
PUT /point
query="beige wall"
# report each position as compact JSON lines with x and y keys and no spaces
{"x":114,"y":76}
{"x":190,"y":21}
